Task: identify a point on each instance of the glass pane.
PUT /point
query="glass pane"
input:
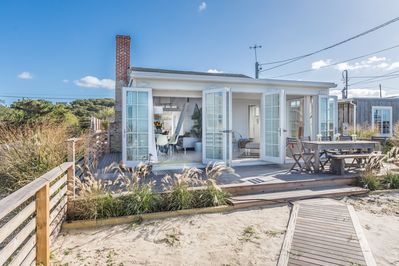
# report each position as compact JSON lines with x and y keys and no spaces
{"x":272,"y":125}
{"x":214,"y":115}
{"x":137,"y":115}
{"x":142,"y":97}
{"x":142,"y":112}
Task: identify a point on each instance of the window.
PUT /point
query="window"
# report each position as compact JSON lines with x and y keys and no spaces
{"x":382,"y":120}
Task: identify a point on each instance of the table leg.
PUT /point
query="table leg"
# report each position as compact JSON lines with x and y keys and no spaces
{"x":317,"y":160}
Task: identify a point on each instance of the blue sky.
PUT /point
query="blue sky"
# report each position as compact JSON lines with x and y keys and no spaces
{"x":47,"y":47}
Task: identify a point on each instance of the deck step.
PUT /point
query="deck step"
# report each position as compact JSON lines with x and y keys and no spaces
{"x":245,"y":189}
{"x":266,"y":198}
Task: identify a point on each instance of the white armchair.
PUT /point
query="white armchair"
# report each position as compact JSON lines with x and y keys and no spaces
{"x":189,"y":142}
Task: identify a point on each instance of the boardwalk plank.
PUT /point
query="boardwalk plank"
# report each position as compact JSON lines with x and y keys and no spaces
{"x":325,"y":234}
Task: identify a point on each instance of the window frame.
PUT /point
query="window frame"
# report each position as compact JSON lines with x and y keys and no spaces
{"x":373,"y":109}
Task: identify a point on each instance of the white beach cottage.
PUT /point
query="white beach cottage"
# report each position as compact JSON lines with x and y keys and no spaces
{"x":186,"y":118}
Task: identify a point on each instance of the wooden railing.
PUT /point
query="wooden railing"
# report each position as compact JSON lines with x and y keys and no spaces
{"x":96,"y":146}
{"x":31,"y":217}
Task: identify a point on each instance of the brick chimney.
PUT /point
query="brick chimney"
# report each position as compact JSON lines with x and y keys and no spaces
{"x":122,"y":57}
{"x":121,"y":80}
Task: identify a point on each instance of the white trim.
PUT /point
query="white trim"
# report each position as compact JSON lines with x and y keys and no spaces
{"x":373,"y":108}
{"x":335,"y":112}
{"x":224,"y":79}
{"x":282,"y":127}
{"x":226,"y":122}
{"x":151,"y":148}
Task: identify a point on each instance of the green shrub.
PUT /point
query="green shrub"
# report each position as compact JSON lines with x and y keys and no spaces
{"x":27,"y":152}
{"x":392,"y":180}
{"x":96,"y":202}
{"x":212,"y":196}
{"x":370,"y":181}
{"x":141,"y":200}
{"x":97,"y":207}
{"x":179,"y":198}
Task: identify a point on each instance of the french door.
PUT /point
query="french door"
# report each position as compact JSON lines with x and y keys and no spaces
{"x":137,"y":140}
{"x":273,"y":124}
{"x":216,"y":136}
{"x":328,"y":115}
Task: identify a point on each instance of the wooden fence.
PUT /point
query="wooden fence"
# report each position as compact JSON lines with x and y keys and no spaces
{"x":31,"y":217}
{"x":97,"y":145}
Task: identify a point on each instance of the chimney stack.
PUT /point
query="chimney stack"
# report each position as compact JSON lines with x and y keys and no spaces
{"x":121,"y":80}
{"x":122,"y":58}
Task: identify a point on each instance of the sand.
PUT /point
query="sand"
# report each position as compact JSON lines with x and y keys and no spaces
{"x":379,"y":216}
{"x":246,"y":237}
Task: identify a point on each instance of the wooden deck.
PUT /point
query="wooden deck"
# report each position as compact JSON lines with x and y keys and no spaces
{"x":245,"y":175}
{"x":324,"y":232}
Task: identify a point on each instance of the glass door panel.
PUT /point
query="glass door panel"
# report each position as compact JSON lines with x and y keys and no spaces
{"x":216,"y":125}
{"x":137,"y":124}
{"x":273,"y":121}
{"x":327,"y":115}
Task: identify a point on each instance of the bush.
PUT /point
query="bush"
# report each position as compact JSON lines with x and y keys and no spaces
{"x":97,"y":202}
{"x":392,"y":180}
{"x":364,"y":131}
{"x":141,"y":200}
{"x":370,"y":181}
{"x":28,"y":152}
{"x":213,"y":195}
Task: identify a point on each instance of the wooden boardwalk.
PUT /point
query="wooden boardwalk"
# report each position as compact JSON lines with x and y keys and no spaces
{"x":324,"y":232}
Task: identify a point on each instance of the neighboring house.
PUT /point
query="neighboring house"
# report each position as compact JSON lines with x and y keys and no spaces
{"x":185,"y":118}
{"x":380,"y":113}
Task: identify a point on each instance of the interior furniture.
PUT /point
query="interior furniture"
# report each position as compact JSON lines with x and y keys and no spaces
{"x":319,"y":146}
{"x":252,"y":147}
{"x":189,"y":143}
{"x":162,"y":142}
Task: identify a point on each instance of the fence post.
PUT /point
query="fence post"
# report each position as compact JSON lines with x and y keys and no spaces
{"x":71,"y":173}
{"x":42,"y":226}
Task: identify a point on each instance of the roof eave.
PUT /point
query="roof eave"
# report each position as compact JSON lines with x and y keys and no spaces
{"x":222,"y":79}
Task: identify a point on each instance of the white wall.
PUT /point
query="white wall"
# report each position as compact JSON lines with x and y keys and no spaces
{"x":240,"y":115}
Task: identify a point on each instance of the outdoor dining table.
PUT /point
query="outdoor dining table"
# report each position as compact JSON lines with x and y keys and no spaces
{"x":319,"y":146}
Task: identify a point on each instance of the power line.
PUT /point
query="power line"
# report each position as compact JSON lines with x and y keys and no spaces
{"x":337,"y":63}
{"x":389,"y":75}
{"x":293,"y":59}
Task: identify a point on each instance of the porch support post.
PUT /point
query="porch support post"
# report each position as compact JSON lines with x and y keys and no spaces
{"x":307,"y":117}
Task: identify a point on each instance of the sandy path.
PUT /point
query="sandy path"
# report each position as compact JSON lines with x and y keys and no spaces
{"x":379,"y":216}
{"x":247,"y":237}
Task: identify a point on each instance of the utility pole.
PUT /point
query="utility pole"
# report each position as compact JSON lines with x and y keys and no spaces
{"x":257,"y":68}
{"x":380,"y":91}
{"x":345,"y":89}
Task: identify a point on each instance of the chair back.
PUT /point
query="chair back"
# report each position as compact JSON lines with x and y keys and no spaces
{"x":325,"y":138}
{"x":162,"y":140}
{"x":345,"y":138}
{"x":293,"y":146}
{"x":307,"y":138}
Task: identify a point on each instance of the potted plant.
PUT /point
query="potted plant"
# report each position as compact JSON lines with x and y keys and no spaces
{"x":196,"y":130}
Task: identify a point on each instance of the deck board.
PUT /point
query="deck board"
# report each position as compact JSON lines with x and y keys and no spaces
{"x":324,"y":232}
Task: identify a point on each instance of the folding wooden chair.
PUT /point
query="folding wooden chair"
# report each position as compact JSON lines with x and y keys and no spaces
{"x":295,"y":152}
{"x":307,"y":157}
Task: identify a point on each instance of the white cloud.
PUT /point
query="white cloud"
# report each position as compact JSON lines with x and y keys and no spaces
{"x":363,"y":93}
{"x":213,"y":70}
{"x":94,"y":82}
{"x":375,"y":59}
{"x":202,"y":7}
{"x":321,"y":63}
{"x":393,"y":66}
{"x":382,"y":65}
{"x":65,"y":80}
{"x":25,"y":75}
{"x":371,"y":62}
